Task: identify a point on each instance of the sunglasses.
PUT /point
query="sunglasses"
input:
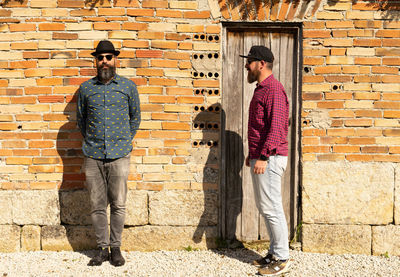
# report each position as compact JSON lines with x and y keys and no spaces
{"x":101,"y":57}
{"x":249,"y":61}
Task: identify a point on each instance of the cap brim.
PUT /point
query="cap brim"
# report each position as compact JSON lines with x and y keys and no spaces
{"x":249,"y":57}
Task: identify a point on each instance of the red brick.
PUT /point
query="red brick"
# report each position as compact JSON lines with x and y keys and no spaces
{"x":51,"y":27}
{"x":197,"y":14}
{"x":51,"y":99}
{"x":388,"y":33}
{"x":36,"y":54}
{"x":23,"y":100}
{"x":37,"y":90}
{"x":164,"y":44}
{"x":339,"y":33}
{"x":65,"y":72}
{"x":177,"y":55}
{"x":24,"y":45}
{"x":391,"y":42}
{"x":111,"y":11}
{"x":391,"y":61}
{"x":359,"y":158}
{"x":149,"y":72}
{"x":162,"y":82}
{"x":164,"y":63}
{"x":149,"y":53}
{"x":362,"y":141}
{"x":71,"y":3}
{"x":23,"y":64}
{"x":22,"y":27}
{"x":154,"y":4}
{"x":367,"y":42}
{"x":127,"y":3}
{"x":330,"y":104}
{"x":316,"y":149}
{"x":175,"y":126}
{"x":134,"y":26}
{"x":367,"y":60}
{"x":368,"y":113}
{"x":107,"y":26}
{"x":28,"y":117}
{"x":136,"y":44}
{"x":140,"y":12}
{"x":169,"y":13}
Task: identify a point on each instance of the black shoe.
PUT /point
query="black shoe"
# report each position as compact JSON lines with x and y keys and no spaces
{"x":263,"y":261}
{"x":102,"y":255}
{"x":116,"y":257}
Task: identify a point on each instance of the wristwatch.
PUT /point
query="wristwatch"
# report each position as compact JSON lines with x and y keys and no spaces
{"x":263,"y":157}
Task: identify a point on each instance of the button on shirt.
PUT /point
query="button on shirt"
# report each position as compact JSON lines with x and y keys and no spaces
{"x":268,"y":120}
{"x":108,"y":116}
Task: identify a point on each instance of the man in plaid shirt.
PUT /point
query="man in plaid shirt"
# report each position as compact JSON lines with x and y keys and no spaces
{"x":268,"y":151}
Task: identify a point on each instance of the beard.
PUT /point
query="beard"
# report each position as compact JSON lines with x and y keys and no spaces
{"x":105,"y":74}
{"x":252,"y":76}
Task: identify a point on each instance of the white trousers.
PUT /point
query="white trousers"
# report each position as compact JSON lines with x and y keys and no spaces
{"x":267,"y":190}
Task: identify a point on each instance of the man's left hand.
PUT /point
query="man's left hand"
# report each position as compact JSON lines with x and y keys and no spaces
{"x":260,"y":166}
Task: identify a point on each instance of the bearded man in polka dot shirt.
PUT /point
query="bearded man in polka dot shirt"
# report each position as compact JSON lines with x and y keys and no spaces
{"x":108,"y":115}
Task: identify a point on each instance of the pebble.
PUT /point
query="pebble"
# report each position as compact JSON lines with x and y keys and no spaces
{"x":225,"y":262}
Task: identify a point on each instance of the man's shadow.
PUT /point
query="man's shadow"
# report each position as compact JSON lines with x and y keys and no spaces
{"x":73,"y":197}
{"x":228,"y":147}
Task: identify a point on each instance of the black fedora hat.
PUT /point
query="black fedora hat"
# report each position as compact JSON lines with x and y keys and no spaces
{"x":105,"y":46}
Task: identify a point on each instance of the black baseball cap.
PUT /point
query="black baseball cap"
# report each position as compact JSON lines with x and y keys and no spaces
{"x":261,"y":53}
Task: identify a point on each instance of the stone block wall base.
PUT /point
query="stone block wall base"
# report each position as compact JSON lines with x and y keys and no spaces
{"x":337,"y":239}
{"x":386,"y":240}
{"x":348,"y":193}
{"x":153,"y":238}
{"x":58,"y":238}
{"x":10,"y":238}
{"x":30,"y":238}
{"x":142,"y":238}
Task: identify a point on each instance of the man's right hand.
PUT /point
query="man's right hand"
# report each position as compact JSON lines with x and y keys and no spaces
{"x":247,"y":161}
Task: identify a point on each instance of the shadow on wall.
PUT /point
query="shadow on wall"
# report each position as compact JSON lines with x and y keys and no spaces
{"x":390,"y":9}
{"x":74,"y":199}
{"x":210,"y":122}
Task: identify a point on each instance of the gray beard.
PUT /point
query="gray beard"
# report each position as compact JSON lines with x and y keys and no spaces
{"x":105,"y":74}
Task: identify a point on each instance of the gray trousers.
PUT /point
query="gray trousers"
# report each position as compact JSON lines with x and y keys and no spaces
{"x":106,"y":181}
{"x":267,"y":191}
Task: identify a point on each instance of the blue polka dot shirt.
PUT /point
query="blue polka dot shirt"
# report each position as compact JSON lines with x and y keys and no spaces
{"x":108,"y":116}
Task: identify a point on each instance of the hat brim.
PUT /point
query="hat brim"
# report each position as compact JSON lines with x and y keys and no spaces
{"x":95,"y":53}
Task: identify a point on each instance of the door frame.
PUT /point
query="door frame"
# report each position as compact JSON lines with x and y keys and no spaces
{"x":295,"y":176}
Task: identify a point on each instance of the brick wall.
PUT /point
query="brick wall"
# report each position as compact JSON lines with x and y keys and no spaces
{"x":350,"y":116}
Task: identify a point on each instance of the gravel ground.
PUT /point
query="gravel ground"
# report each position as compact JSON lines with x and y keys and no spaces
{"x":192,"y":263}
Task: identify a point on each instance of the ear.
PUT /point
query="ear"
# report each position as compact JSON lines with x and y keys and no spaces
{"x":263,"y":63}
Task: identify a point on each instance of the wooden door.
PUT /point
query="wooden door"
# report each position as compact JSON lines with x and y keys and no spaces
{"x":241,"y":219}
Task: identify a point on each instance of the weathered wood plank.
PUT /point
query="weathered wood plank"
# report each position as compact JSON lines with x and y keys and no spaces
{"x":233,"y":133}
{"x":250,"y":213}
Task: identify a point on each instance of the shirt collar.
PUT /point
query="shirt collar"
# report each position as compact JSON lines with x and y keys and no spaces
{"x":115,"y":80}
{"x":265,"y":81}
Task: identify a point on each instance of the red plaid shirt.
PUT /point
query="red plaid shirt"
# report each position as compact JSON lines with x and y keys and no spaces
{"x":268,"y":120}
